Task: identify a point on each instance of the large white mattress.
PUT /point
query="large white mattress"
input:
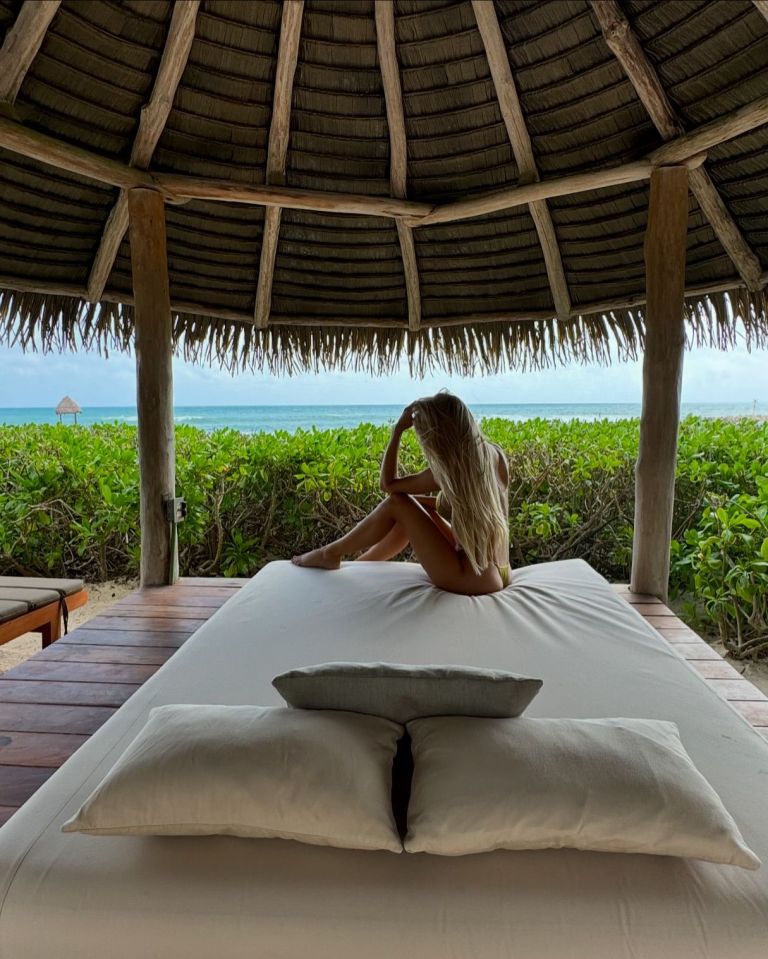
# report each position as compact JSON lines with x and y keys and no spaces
{"x":74,"y":897}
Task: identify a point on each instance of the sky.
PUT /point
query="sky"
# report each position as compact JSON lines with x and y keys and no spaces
{"x":31,"y":379}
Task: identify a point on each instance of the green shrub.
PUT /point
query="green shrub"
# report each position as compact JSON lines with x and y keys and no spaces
{"x":69,"y":502}
{"x":723,"y":565}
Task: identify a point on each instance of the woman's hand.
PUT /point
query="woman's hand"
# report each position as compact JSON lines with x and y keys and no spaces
{"x":406,"y":419}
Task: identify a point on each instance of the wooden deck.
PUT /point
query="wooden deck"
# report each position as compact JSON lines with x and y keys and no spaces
{"x":742,"y":695}
{"x":52,"y":703}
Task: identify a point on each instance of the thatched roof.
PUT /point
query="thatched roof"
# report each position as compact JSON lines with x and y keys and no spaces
{"x":519,"y":282}
{"x":68,"y":405}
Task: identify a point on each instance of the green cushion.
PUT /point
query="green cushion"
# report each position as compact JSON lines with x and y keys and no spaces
{"x":69,"y":586}
{"x":10,"y":610}
{"x":32,"y":598}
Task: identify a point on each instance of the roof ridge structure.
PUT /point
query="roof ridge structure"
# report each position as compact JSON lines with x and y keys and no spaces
{"x":536,"y":191}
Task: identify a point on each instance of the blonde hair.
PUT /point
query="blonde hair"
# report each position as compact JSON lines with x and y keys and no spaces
{"x":465,"y":465}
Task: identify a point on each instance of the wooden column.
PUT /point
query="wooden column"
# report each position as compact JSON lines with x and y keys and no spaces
{"x":665,"y":247}
{"x":154,"y":383}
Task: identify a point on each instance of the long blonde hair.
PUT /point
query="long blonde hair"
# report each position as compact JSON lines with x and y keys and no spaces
{"x":465,"y":465}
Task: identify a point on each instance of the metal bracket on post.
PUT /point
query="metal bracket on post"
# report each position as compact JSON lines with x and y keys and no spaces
{"x":175,"y":508}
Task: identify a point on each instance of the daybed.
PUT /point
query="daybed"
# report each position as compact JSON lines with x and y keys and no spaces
{"x":76,"y":896}
{"x":37,"y":605}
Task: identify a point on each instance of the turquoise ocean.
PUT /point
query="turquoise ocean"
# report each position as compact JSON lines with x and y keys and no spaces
{"x":269,"y":419}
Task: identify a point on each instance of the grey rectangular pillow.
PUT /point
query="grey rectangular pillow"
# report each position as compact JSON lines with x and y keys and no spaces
{"x":404,"y":692}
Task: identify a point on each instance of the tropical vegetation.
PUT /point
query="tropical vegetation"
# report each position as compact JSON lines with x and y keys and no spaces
{"x":69,"y":503}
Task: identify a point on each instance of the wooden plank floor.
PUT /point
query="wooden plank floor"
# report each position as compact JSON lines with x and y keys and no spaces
{"x":52,"y":703}
{"x":724,"y":678}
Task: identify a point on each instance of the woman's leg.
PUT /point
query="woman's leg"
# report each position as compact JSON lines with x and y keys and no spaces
{"x":442,"y":563}
{"x":377,"y":525}
{"x":397,"y":539}
{"x":393,"y":543}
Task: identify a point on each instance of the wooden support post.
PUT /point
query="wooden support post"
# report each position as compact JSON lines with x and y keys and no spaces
{"x":665,"y":247}
{"x":154,"y":383}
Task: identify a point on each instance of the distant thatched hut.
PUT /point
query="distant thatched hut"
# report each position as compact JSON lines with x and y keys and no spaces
{"x":67,"y":406}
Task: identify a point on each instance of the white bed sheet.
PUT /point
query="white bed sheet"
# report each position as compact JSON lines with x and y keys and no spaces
{"x":74,"y":897}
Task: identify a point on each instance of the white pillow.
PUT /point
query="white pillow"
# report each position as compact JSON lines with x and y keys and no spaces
{"x":613,"y":785}
{"x":318,"y":777}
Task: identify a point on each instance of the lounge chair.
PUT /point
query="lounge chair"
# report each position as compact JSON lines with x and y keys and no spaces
{"x":32,"y":604}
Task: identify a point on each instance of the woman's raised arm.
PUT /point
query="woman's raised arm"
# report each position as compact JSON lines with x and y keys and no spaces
{"x":390,"y":482}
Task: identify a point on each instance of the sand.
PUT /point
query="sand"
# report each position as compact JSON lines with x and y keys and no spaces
{"x":100,"y":597}
{"x":755,"y":672}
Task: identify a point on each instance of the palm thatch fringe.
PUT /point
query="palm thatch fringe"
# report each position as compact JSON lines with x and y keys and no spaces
{"x":37,"y":321}
{"x":714,"y":319}
{"x":40,"y":321}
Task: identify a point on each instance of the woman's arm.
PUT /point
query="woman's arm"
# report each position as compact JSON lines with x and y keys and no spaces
{"x":390,"y":482}
{"x":503,"y":467}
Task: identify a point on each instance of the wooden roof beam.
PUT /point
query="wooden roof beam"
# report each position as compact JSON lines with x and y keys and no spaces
{"x":734,"y":124}
{"x":642,"y":75}
{"x":65,"y":156}
{"x":512,"y":114}
{"x":277,"y":151}
{"x":154,"y":115}
{"x":688,"y":149}
{"x":21,"y":44}
{"x":484,"y":203}
{"x":398,"y":151}
{"x":179,"y":187}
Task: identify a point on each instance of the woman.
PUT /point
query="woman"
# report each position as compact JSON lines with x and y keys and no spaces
{"x":460,"y":536}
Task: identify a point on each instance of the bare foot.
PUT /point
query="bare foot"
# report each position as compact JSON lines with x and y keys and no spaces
{"x":318,"y":559}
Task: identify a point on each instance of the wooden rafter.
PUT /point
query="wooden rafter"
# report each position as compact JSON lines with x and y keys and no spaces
{"x":642,"y":75}
{"x":181,"y":187}
{"x":154,"y":115}
{"x":510,"y":197}
{"x":277,"y":151}
{"x":512,"y":114}
{"x":64,"y":156}
{"x":688,"y":149}
{"x":703,"y":138}
{"x":398,"y":151}
{"x":21,"y":44}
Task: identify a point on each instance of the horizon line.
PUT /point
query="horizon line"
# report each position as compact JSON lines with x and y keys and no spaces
{"x":202,"y":406}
